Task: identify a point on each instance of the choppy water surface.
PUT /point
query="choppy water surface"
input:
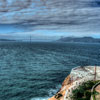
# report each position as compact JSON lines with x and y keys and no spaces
{"x":35,"y":71}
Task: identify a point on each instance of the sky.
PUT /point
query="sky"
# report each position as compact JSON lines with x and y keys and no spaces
{"x":49,"y":19}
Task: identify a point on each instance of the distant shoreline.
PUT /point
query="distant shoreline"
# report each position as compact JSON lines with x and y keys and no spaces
{"x":54,"y":42}
{"x":79,"y":40}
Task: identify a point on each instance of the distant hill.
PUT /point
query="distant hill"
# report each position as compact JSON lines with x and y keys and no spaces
{"x":6,"y":40}
{"x":79,"y":39}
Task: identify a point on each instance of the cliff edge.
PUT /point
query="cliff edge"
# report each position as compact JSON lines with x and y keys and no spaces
{"x":77,"y":76}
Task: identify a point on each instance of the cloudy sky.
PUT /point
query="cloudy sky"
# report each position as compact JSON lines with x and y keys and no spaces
{"x":49,"y":19}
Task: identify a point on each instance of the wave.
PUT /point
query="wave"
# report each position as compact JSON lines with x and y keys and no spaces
{"x":51,"y":92}
{"x":54,"y":91}
{"x":40,"y":98}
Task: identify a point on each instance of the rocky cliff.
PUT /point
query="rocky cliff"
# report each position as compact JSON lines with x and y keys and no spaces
{"x":77,"y":76}
{"x":65,"y":85}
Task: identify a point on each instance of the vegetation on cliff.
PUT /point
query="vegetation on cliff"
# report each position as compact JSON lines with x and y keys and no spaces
{"x":83,"y":92}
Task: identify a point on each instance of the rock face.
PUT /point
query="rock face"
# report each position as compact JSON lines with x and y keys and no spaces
{"x":77,"y":76}
{"x":65,"y":85}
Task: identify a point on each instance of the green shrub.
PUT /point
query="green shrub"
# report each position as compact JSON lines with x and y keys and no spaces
{"x":83,"y":92}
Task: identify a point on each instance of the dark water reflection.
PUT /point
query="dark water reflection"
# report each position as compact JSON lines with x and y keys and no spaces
{"x":37,"y":70}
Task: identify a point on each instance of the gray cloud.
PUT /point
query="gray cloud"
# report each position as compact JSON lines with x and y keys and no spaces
{"x":75,"y":15}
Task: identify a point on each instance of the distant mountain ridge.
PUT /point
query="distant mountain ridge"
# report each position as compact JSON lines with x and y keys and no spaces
{"x":79,"y":39}
{"x":6,"y":40}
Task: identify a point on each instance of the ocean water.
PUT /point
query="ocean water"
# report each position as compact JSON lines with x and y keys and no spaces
{"x":35,"y":71}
